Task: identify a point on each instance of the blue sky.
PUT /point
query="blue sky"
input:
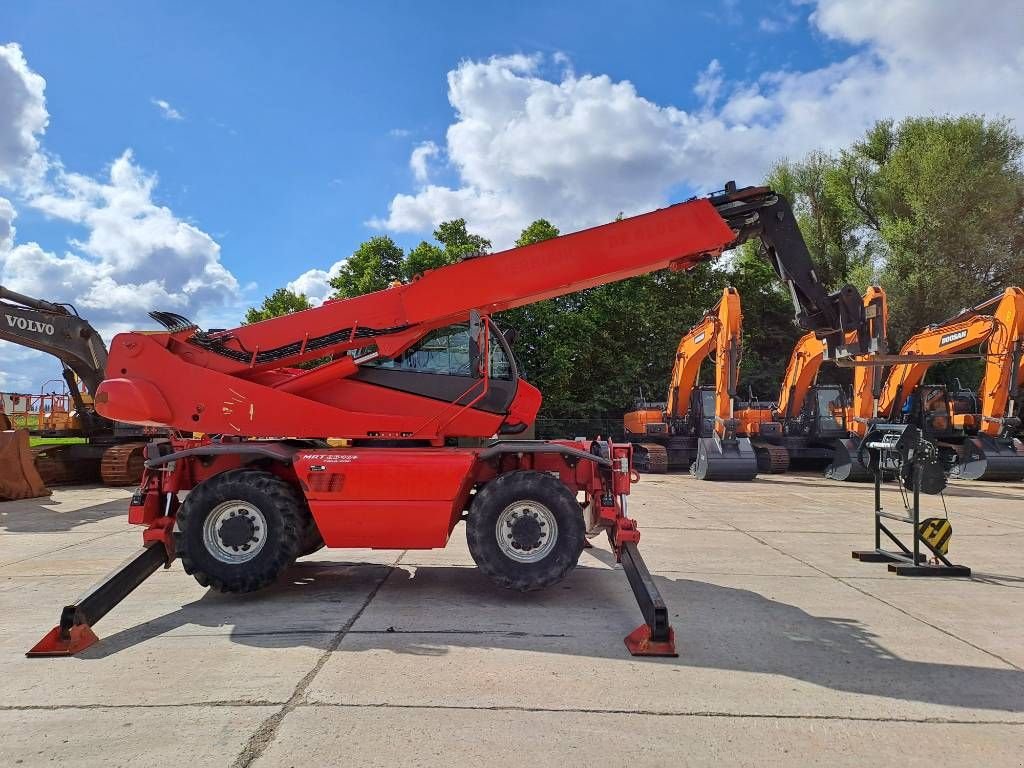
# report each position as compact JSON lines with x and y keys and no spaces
{"x":286,"y":146}
{"x":295,"y":128}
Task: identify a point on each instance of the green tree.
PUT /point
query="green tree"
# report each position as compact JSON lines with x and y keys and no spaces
{"x":373,"y":267}
{"x":459,"y":243}
{"x":832,"y":229}
{"x":946,"y":196}
{"x":423,"y":257}
{"x":280,"y":302}
{"x":933,"y":208}
{"x":538,"y":231}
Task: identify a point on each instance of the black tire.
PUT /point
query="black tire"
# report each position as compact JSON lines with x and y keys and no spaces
{"x":501,"y":494}
{"x":282,"y":508}
{"x":312,"y":541}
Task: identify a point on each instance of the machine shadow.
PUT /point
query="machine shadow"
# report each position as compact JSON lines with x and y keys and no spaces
{"x":44,"y":515}
{"x":428,"y":610}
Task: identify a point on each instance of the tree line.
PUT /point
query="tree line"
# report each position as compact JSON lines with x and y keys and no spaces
{"x":930,"y":208}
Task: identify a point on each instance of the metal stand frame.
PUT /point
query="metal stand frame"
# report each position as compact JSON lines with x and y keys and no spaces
{"x":906,"y":561}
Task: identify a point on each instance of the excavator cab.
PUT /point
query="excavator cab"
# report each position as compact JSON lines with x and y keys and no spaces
{"x":702,"y":412}
{"x":827,"y":411}
{"x":932,"y":410}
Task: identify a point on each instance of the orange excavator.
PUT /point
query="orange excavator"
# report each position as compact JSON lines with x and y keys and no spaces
{"x":993,"y":419}
{"x":810,"y":417}
{"x":978,"y":433}
{"x":696,"y":426}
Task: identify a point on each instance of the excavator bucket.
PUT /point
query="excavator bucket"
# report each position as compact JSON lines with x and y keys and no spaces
{"x":724,"y":459}
{"x":992,"y":459}
{"x":845,"y":464}
{"x":18,"y":476}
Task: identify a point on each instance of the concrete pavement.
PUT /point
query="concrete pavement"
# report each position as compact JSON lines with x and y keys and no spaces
{"x":790,"y":651}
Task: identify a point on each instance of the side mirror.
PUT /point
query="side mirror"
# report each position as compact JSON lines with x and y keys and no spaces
{"x":510,"y":336}
{"x":477,"y":345}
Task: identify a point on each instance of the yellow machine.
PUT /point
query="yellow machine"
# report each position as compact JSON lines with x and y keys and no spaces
{"x":809,"y":418}
{"x":980,"y":429}
{"x":696,"y":426}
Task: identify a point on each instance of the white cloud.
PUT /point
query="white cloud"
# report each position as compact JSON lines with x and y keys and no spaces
{"x":134,"y":254}
{"x":315,"y":283}
{"x":137,"y":254}
{"x":166,"y":110}
{"x":577,"y":149}
{"x":399,"y":133}
{"x":7,"y":216}
{"x":418,"y":160}
{"x":23,"y":118}
{"x":709,"y":83}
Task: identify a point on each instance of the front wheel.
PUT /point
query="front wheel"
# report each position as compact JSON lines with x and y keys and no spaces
{"x":525,"y":530}
{"x":237,"y":531}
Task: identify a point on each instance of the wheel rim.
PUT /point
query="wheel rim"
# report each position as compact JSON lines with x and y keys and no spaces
{"x":235,"y":532}
{"x":526,"y":531}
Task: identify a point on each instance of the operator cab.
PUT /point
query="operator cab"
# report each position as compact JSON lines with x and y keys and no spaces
{"x":930,"y":408}
{"x":441,"y":366}
{"x":828,"y":411}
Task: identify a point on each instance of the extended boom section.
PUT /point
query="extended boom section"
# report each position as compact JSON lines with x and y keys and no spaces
{"x":418,"y":380}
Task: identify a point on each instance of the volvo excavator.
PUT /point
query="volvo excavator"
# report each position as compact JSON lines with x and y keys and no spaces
{"x":409,"y":371}
{"x":810,"y":417}
{"x":978,"y":436}
{"x":695,"y":427}
{"x":113,"y":450}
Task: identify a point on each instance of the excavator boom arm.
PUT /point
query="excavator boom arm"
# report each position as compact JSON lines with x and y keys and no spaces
{"x":944,"y":339}
{"x":1004,"y":363}
{"x":694,"y":348}
{"x":809,"y":353}
{"x":56,"y":330}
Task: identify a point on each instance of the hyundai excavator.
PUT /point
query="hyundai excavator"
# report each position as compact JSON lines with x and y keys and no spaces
{"x":973,"y":446}
{"x":809,"y":417}
{"x":410,"y":370}
{"x":695,"y":427}
{"x":113,"y":450}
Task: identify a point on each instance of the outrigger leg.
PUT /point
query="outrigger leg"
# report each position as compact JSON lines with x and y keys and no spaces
{"x":74,"y":632}
{"x":655,"y":637}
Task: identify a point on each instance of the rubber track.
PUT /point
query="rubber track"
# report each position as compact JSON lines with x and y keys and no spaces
{"x":657,"y":459}
{"x":122,"y":464}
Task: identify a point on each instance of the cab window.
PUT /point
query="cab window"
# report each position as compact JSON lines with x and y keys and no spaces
{"x":445,"y":352}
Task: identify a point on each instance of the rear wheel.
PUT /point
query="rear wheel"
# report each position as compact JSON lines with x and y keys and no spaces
{"x":238,"y":530}
{"x":525,"y":530}
{"x":312,"y":541}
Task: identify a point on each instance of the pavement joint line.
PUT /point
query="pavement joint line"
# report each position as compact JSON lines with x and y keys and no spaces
{"x":168,"y":705}
{"x":69,"y":546}
{"x":265,"y":735}
{"x":895,"y":607}
{"x":696,"y":713}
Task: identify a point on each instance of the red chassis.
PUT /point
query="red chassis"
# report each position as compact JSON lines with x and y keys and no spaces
{"x":405,"y":374}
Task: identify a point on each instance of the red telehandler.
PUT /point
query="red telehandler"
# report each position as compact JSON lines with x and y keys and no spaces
{"x":410,"y":370}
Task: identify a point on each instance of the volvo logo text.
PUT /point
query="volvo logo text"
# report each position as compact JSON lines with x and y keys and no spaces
{"x":22,"y":324}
